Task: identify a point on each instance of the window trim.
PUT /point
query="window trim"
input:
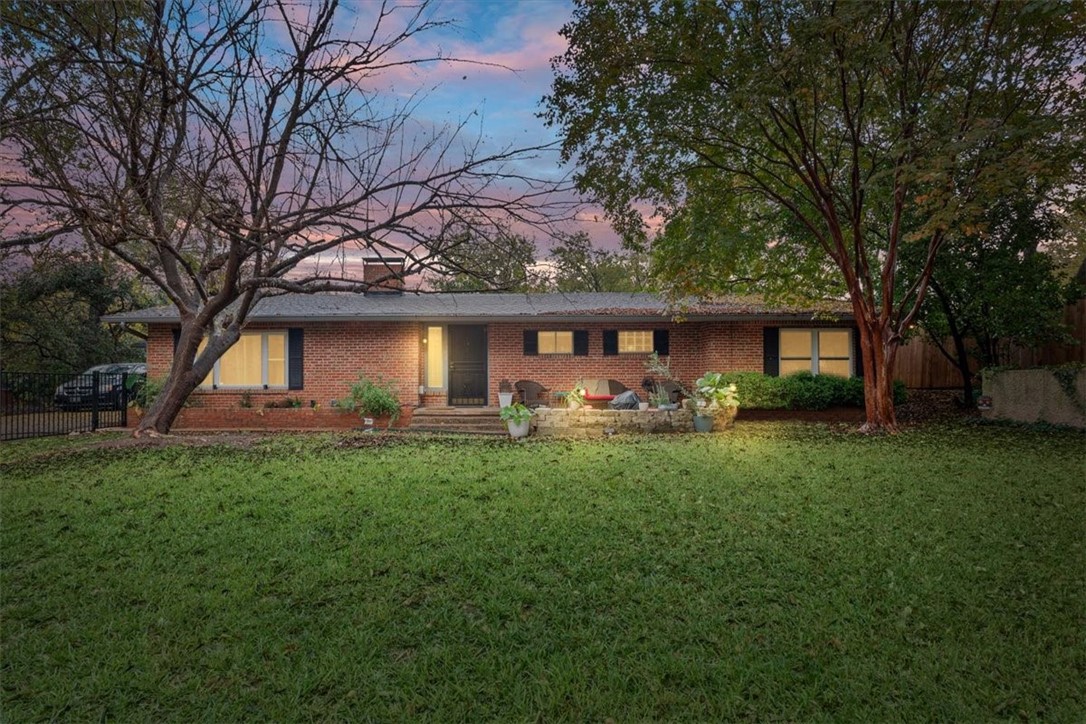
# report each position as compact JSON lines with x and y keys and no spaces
{"x":264,"y":333}
{"x":815,"y":356}
{"x":652,"y":341}
{"x":556,"y":332}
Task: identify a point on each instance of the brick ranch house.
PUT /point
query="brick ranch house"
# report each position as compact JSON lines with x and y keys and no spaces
{"x":454,"y":349}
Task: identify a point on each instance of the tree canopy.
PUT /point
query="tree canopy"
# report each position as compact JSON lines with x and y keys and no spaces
{"x":998,"y":287}
{"x":797,"y":146}
{"x":51,"y":312}
{"x":227,"y":151}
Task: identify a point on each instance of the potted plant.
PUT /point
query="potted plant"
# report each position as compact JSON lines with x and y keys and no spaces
{"x":661,"y":399}
{"x":575,"y":398}
{"x":712,"y":395}
{"x":505,"y":393}
{"x":517,"y":418}
{"x":643,"y":406}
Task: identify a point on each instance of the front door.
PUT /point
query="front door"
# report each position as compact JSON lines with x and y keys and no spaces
{"x":467,"y":365}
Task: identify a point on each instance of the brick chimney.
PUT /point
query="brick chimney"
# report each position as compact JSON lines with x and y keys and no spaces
{"x":376,"y":268}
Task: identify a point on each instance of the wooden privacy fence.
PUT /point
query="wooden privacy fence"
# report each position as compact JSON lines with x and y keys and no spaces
{"x":921,"y":365}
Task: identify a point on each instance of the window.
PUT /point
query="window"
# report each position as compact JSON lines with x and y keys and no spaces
{"x":818,"y":351}
{"x":435,"y":358}
{"x":555,"y":342}
{"x":834,"y":352}
{"x":257,"y":359}
{"x":635,"y":341}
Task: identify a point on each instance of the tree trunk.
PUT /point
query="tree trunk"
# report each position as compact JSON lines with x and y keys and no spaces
{"x":186,"y":374}
{"x":963,"y":368}
{"x":961,"y":354}
{"x":879,"y":353}
{"x":166,"y":407}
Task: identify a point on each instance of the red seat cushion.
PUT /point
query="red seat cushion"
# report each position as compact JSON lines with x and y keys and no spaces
{"x":608,"y":398}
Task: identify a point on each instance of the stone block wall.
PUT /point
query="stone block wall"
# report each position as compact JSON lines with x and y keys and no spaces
{"x":562,"y":422}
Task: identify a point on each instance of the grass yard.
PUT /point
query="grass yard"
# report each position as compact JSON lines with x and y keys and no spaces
{"x":777,"y":572}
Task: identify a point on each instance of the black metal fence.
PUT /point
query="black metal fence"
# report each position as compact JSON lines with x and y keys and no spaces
{"x":38,"y":404}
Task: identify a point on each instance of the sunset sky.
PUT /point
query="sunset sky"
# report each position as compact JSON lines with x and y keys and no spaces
{"x":508,"y":46}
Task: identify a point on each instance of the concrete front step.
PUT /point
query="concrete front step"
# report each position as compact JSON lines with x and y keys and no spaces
{"x":481,"y":420}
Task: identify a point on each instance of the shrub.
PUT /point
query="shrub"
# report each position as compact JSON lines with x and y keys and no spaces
{"x":758,"y":391}
{"x":803,"y":391}
{"x":373,"y":398}
{"x":286,"y":403}
{"x":149,"y":392}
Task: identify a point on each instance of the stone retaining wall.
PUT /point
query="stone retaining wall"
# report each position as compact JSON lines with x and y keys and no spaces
{"x":596,"y":423}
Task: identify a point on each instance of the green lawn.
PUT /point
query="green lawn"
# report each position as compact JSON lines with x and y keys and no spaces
{"x":777,"y":572}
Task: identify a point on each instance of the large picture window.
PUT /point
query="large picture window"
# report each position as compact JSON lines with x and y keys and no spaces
{"x":636,"y":341}
{"x":818,"y":351}
{"x":555,"y":342}
{"x":257,"y":359}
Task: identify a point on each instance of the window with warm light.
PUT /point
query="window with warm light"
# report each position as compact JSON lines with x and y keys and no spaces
{"x":435,"y":358}
{"x":257,"y":359}
{"x":637,"y":341}
{"x":555,"y":342}
{"x":818,"y":351}
{"x":834,"y":352}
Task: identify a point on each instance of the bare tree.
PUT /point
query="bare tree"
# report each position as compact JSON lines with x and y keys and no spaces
{"x":226,"y":150}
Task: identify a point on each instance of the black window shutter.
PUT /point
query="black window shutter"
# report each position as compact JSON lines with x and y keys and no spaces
{"x":531,"y":342}
{"x":176,"y":339}
{"x":771,"y":351}
{"x":580,"y":342}
{"x":661,"y":342}
{"x":610,"y":342}
{"x":857,"y":354}
{"x":296,"y":358}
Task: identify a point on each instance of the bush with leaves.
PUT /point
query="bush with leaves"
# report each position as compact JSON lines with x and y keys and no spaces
{"x":149,"y":391}
{"x":802,"y":391}
{"x":373,"y":398}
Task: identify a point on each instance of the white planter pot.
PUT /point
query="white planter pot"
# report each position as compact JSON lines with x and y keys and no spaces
{"x":642,"y":406}
{"x":518,"y":429}
{"x":505,"y":399}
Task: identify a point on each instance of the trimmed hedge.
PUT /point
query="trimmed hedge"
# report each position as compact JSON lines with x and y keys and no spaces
{"x":802,"y":391}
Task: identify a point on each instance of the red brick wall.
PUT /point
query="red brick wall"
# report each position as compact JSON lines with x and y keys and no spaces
{"x":559,"y":372}
{"x":731,"y":347}
{"x":335,"y":354}
{"x":217,"y":418}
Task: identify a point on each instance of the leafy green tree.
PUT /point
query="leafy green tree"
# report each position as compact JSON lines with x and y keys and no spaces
{"x":50,"y":312}
{"x":996,"y":287}
{"x":578,"y":266}
{"x":800,"y":144}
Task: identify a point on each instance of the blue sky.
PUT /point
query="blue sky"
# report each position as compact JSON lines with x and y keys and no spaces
{"x":505,"y":49}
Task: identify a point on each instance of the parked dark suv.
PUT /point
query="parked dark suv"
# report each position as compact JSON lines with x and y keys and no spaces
{"x":112,"y":380}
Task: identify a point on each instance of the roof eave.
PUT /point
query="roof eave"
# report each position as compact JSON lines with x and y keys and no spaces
{"x":483,"y":319}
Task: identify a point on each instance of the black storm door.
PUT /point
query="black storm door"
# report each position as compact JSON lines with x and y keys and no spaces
{"x":467,"y":365}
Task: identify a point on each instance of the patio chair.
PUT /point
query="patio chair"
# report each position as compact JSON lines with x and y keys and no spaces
{"x":530,"y":392}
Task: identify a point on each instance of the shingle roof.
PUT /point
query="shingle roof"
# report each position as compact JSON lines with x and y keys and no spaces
{"x":488,"y":306}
